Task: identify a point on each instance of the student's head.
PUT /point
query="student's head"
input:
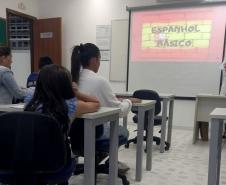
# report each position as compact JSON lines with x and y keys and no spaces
{"x":54,"y":81}
{"x":5,"y":57}
{"x":54,"y":86}
{"x":44,"y":61}
{"x":86,"y":56}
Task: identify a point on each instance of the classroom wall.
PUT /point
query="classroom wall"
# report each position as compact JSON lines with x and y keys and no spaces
{"x":80,"y":17}
{"x":79,"y":20}
{"x":21,"y":59}
{"x":30,"y":7}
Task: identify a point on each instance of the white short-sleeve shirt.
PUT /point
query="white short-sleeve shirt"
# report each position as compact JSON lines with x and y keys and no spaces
{"x":93,"y":84}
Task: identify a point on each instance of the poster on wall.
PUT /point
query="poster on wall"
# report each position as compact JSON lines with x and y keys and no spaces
{"x":105,"y":55}
{"x":3,"y":32}
{"x":103,"y":41}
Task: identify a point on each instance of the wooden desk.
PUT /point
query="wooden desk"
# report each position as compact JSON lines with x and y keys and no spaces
{"x":91,"y":120}
{"x":205,"y":104}
{"x":216,"y":119}
{"x":141,"y":108}
{"x":167,"y":99}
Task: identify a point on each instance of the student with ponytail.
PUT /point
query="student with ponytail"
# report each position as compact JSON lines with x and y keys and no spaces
{"x":85,"y":63}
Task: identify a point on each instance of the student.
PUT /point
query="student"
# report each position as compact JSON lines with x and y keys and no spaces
{"x":8,"y":85}
{"x":85,"y":62}
{"x":223,"y":87}
{"x":223,"y":93}
{"x":54,"y":96}
{"x":32,"y":78}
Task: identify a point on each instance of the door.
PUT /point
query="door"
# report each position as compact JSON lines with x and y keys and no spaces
{"x":20,"y":39}
{"x":47,"y":40}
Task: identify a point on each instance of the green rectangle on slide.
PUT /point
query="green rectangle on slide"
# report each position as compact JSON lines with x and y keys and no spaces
{"x":3,"y":35}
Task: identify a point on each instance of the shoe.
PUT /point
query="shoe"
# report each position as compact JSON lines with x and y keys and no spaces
{"x":101,"y":156}
{"x":224,"y":135}
{"x":122,"y":167}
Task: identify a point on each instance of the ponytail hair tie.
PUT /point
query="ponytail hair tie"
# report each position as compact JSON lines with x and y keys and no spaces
{"x":81,"y":48}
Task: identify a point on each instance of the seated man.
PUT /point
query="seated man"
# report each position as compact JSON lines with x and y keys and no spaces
{"x":43,"y":61}
{"x":8,"y":84}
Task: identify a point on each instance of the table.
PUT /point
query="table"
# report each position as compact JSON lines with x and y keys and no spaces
{"x":216,"y":119}
{"x":11,"y":108}
{"x":205,"y":103}
{"x":91,"y":120}
{"x":167,"y":99}
{"x":141,"y":108}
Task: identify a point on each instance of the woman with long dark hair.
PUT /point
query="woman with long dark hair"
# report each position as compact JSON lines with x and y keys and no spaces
{"x":54,"y":96}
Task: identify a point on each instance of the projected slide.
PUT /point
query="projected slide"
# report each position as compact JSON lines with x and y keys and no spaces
{"x":178,"y":35}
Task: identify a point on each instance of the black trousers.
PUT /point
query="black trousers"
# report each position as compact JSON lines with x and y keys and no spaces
{"x":76,"y":135}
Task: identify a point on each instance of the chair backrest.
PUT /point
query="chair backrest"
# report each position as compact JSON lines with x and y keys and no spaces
{"x":145,"y":94}
{"x":31,"y":143}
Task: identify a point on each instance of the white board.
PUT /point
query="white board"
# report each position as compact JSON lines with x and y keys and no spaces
{"x":119,"y":47}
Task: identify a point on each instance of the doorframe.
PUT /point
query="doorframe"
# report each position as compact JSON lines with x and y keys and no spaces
{"x":30,"y":18}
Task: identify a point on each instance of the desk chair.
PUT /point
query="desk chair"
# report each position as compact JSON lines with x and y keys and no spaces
{"x":76,"y":135}
{"x":148,"y":95}
{"x":33,"y":150}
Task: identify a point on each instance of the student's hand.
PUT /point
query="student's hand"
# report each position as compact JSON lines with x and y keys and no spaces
{"x":120,"y":99}
{"x":84,"y":97}
{"x":86,"y":107}
{"x":74,"y":86}
{"x":135,"y":100}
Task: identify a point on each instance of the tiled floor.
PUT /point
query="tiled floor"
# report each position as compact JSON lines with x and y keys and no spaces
{"x":183,"y":164}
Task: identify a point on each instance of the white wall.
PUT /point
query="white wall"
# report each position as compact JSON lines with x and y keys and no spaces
{"x":21,"y":66}
{"x":79,"y":20}
{"x":30,"y":7}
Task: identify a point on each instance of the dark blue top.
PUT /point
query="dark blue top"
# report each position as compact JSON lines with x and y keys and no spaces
{"x":31,"y":80}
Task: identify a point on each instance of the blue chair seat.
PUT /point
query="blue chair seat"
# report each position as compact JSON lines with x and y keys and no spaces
{"x":157,"y":120}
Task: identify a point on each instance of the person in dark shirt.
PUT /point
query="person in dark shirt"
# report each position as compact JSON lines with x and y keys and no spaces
{"x":32,"y":79}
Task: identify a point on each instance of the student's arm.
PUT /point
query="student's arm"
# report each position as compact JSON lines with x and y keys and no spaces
{"x":10,"y":83}
{"x":81,"y":96}
{"x":85,"y":98}
{"x":135,"y":100}
{"x":110,"y":99}
{"x":86,"y":107}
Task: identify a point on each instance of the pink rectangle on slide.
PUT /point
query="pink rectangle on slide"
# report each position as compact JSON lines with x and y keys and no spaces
{"x":201,"y":49}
